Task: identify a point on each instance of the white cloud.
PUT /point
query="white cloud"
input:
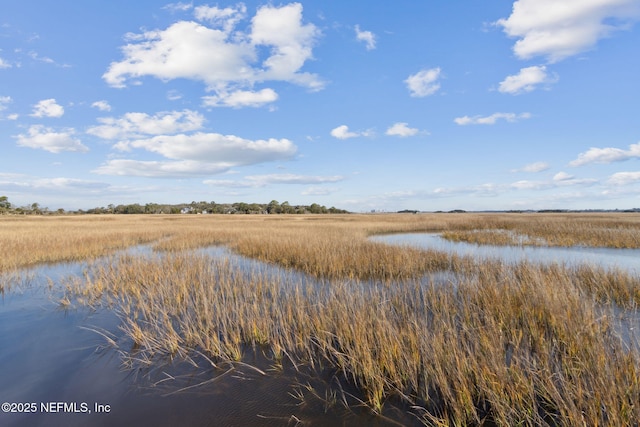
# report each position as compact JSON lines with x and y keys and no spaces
{"x":531,"y":185}
{"x":561,"y":179}
{"x":492,"y":119}
{"x":45,"y":59}
{"x":343,"y":132}
{"x":424,"y":83}
{"x":559,"y":29}
{"x":47,"y":108}
{"x":47,"y":139}
{"x":4,"y":101}
{"x":291,"y":42}
{"x":624,"y":178}
{"x":562,"y":176}
{"x":533,"y":167}
{"x":4,"y":64}
{"x":13,"y":116}
{"x":526,"y":80}
{"x":285,"y":178}
{"x":174,"y":95}
{"x":226,"y":18}
{"x":161,"y":169}
{"x":241,"y":98}
{"x":367,"y":37}
{"x":214,"y":147}
{"x":178,"y":7}
{"x":224,"y":58}
{"x":607,"y":155}
{"x":21,"y":183}
{"x":318,"y":191}
{"x":401,"y":129}
{"x":135,"y":125}
{"x":101,"y":105}
{"x":289,"y":178}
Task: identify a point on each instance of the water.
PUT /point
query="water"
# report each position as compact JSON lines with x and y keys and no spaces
{"x":626,"y":323}
{"x":51,"y":357}
{"x":628,"y":259}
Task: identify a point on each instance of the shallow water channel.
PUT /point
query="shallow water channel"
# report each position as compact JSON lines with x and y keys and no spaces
{"x":606,"y":257}
{"x":626,"y":322}
{"x":57,"y":368}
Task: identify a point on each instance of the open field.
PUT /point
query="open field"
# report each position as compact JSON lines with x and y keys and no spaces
{"x":511,"y":344}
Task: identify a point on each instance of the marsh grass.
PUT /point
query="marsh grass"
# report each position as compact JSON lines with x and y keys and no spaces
{"x":595,"y":230}
{"x":509,"y":344}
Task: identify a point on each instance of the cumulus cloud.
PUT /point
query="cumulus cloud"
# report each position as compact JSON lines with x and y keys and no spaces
{"x":624,"y":178}
{"x":526,"y":80}
{"x":533,"y":167}
{"x":226,"y":18}
{"x":274,"y":47}
{"x":560,"y":29}
{"x":343,"y":132}
{"x":492,"y":119}
{"x":135,"y":125}
{"x":367,"y":37}
{"x":401,"y":129}
{"x":214,"y":147}
{"x":101,"y":105}
{"x":47,"y":139}
{"x":197,"y":154}
{"x":241,"y":98}
{"x":4,"y":64}
{"x":47,"y":108}
{"x":607,"y":155}
{"x":424,"y":82}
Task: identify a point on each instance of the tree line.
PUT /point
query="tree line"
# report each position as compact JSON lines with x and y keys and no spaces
{"x":203,"y":207}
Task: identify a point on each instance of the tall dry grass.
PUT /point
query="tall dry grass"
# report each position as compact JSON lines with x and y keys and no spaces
{"x":510,"y":344}
{"x":615,"y":230}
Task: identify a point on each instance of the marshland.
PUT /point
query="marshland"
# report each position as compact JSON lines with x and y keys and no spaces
{"x":322,"y":323}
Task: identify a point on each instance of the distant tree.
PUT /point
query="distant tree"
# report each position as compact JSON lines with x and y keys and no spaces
{"x":35,"y":209}
{"x":5,"y":206}
{"x":274,"y":207}
{"x":287,"y":208}
{"x":241,"y":207}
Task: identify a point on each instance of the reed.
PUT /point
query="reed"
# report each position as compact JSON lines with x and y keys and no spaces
{"x":511,"y":344}
{"x":519,"y":344}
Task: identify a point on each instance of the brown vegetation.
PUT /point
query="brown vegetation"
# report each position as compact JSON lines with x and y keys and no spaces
{"x":519,"y":344}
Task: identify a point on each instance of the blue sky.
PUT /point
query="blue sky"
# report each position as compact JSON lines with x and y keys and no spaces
{"x":428,"y":105}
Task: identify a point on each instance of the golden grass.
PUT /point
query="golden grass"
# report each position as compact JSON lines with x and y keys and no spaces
{"x":620,"y":230}
{"x":511,"y":344}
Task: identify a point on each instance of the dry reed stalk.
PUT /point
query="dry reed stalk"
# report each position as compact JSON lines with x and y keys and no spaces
{"x":512,"y":344}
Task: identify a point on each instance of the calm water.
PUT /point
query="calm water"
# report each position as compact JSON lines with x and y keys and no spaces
{"x":624,"y":258}
{"x":50,"y":355}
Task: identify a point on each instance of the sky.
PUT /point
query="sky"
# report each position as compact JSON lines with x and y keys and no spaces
{"x":365,"y":106}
